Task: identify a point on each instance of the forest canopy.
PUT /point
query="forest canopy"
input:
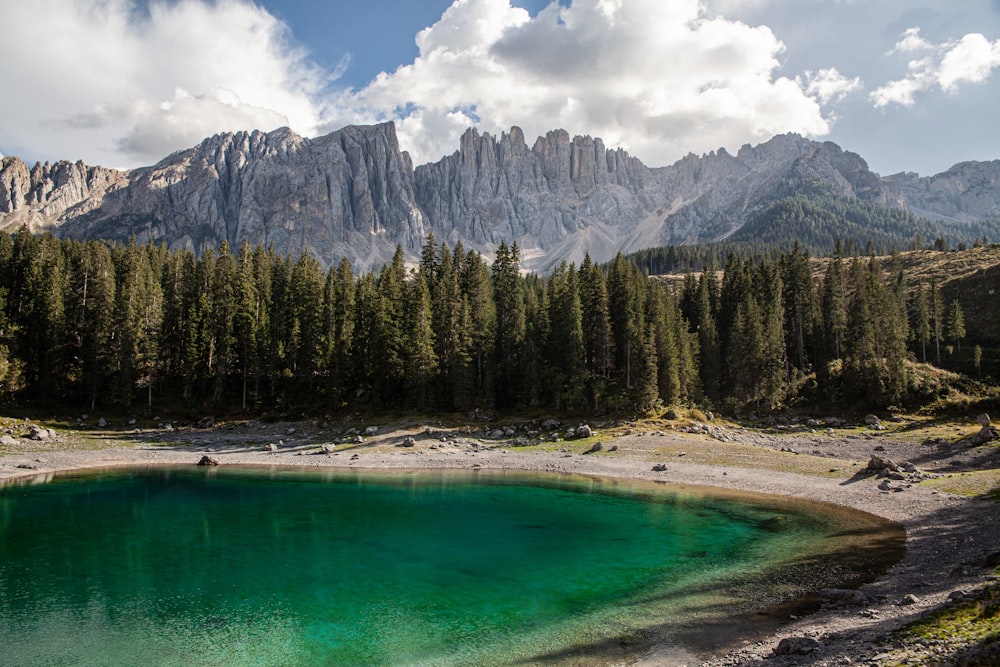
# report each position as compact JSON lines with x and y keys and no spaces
{"x":133,"y":326}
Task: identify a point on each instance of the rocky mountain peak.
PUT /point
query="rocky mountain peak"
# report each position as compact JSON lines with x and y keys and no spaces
{"x":353,"y":193}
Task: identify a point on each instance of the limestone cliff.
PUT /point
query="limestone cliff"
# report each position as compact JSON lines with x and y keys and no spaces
{"x":353,"y":193}
{"x":38,"y":197}
{"x":345,"y":194}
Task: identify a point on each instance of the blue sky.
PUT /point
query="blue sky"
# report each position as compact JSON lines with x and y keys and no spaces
{"x":908,"y":84}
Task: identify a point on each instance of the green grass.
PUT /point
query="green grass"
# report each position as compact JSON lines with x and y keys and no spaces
{"x":970,"y":484}
{"x":958,"y":633}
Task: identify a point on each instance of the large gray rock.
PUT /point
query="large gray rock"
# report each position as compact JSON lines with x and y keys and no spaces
{"x":797,"y":646}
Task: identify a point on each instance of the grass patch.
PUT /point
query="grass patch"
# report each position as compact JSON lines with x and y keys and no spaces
{"x":965,"y":632}
{"x":755,"y":457}
{"x":970,"y":484}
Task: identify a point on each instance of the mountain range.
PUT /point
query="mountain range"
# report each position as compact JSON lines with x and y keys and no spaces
{"x":353,"y":193}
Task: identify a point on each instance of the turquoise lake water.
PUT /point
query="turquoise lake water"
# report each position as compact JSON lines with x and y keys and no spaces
{"x":187,"y":566}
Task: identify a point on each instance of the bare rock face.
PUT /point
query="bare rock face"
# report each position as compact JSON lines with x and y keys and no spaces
{"x":346,"y":194}
{"x":562,"y":197}
{"x":968,"y":191}
{"x":353,"y":193}
{"x":46,"y":194}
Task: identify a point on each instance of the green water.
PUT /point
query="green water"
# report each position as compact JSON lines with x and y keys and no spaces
{"x":263,"y":567}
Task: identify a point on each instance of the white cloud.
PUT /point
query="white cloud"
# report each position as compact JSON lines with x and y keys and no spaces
{"x":911,"y":41}
{"x":119,"y":85}
{"x":947,"y":66}
{"x":829,"y":85}
{"x":659,"y":78}
{"x":116,"y":84}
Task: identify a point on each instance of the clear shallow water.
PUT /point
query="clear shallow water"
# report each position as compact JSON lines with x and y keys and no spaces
{"x":260,"y":567}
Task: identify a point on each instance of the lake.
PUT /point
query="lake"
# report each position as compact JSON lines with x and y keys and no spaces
{"x":265,"y":566}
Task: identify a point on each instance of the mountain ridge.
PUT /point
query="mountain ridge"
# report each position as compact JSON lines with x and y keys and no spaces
{"x":354,"y":193}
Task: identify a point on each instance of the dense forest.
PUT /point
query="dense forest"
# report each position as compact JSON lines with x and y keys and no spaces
{"x":133,"y":327}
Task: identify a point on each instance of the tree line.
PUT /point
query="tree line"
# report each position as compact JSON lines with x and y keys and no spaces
{"x":135,"y":326}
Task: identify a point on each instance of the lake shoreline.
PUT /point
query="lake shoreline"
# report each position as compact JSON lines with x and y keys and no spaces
{"x":947,"y":535}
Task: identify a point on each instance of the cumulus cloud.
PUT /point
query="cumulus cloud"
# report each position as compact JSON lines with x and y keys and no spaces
{"x":946,"y":66}
{"x":659,"y":78}
{"x":121,"y":84}
{"x":829,"y":85}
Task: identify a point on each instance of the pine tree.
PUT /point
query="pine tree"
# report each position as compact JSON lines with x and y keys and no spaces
{"x":389,"y":341}
{"x":835,"y":306}
{"x":451,"y":328}
{"x":566,"y":357}
{"x":510,"y":325}
{"x":245,"y":319}
{"x":281,"y":338}
{"x":773,"y":372}
{"x":306,"y":302}
{"x":937,"y":315}
{"x":921,"y":320}
{"x":263,"y":272}
{"x":92,"y":292}
{"x":479,"y":310}
{"x":420,"y":361}
{"x":339,"y":296}
{"x":596,"y":329}
{"x":956,"y":323}
{"x":365,"y":361}
{"x":706,"y":329}
{"x":535,"y":382}
{"x":660,"y":308}
{"x":798,"y":297}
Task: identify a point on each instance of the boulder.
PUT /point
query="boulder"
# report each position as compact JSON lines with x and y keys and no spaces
{"x":660,"y":467}
{"x":987,"y":433}
{"x":371,"y":430}
{"x":877,"y":464}
{"x":208,"y":461}
{"x":797,"y":646}
{"x":205,"y":422}
{"x":327,"y":449}
{"x":584,"y":431}
{"x":271,"y":447}
{"x":595,"y":448}
{"x":551,"y":424}
{"x":409,"y":442}
{"x":102,"y":423}
{"x":39,"y":433}
{"x":8,"y":440}
{"x":844,"y":596}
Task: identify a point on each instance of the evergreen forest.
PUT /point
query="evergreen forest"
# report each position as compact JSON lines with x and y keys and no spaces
{"x":139,"y":327}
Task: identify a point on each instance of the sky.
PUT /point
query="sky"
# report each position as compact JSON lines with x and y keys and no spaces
{"x":910,"y":85}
